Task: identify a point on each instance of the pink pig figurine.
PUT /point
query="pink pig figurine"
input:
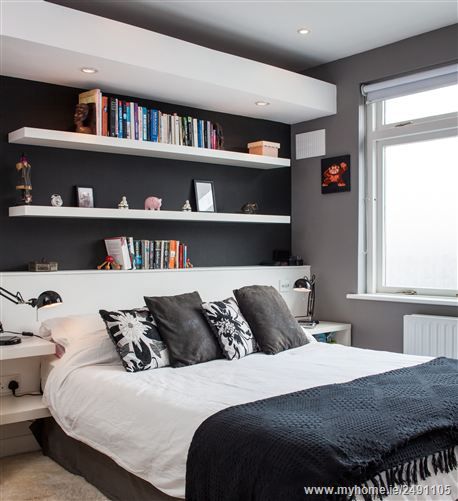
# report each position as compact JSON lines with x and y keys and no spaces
{"x":153,"y":203}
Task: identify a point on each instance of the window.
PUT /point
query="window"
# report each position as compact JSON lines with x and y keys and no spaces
{"x":412,"y":187}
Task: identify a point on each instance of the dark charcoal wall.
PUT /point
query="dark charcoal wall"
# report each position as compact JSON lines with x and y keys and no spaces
{"x":325,"y":227}
{"x":77,"y":244}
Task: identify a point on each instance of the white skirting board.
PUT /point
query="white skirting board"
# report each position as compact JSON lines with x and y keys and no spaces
{"x":88,"y":291}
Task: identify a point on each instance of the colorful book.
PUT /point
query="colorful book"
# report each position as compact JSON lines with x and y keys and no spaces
{"x":130,"y":244}
{"x":154,"y":125}
{"x":172,"y":254}
{"x":138,"y":255}
{"x":118,"y":249}
{"x":120,"y":121}
{"x":94,"y":99}
{"x":104,"y":115}
{"x":157,"y":254}
{"x":128,"y":122}
{"x":112,"y":116}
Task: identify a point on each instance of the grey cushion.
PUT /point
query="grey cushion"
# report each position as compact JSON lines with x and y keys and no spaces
{"x":270,"y":319}
{"x":184,"y":329}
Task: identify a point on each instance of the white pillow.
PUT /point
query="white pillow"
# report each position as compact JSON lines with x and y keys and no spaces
{"x":64,"y":330}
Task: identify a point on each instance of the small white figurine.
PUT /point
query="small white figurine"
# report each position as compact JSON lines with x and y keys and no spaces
{"x":56,"y":200}
{"x":186,"y":207}
{"x":123,"y":204}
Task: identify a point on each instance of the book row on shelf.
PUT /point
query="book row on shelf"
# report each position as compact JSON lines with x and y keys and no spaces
{"x":114,"y":117}
{"x":133,"y":254}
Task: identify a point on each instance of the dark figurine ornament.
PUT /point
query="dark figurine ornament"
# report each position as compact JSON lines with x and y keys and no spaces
{"x":250,"y":208}
{"x":24,"y":187}
{"x":81,"y":119}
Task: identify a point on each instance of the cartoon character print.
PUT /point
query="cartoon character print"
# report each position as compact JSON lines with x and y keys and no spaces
{"x":333,"y":174}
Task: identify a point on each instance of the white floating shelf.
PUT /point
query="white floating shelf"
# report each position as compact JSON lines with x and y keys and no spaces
{"x":28,"y":407}
{"x":162,"y":215}
{"x":89,"y":142}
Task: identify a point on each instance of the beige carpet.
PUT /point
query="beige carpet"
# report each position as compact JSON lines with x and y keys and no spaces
{"x":32,"y":476}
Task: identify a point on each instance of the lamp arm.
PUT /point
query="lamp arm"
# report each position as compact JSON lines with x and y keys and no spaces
{"x":311,"y":302}
{"x":14,"y":298}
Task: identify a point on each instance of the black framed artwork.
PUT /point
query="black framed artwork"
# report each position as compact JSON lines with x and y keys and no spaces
{"x":84,"y":196}
{"x":205,"y":196}
{"x":335,"y":174}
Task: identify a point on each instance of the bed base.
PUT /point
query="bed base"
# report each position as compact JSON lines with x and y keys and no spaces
{"x":102,"y":472}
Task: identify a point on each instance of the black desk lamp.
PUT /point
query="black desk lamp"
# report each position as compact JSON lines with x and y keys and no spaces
{"x":45,"y":300}
{"x":307,"y":286}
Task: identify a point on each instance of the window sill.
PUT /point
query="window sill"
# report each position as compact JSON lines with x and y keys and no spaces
{"x":403,"y":298}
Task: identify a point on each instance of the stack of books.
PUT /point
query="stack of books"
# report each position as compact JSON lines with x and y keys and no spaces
{"x":133,"y":254}
{"x":126,"y":119}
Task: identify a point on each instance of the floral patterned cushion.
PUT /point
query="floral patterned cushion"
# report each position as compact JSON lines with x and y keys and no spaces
{"x":137,"y":340}
{"x":230,"y":327}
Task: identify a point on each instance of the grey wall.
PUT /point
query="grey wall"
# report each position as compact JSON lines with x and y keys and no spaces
{"x":325,"y":227}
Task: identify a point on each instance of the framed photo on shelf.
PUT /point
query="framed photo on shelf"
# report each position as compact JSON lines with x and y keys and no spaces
{"x":84,"y":196}
{"x":205,"y":196}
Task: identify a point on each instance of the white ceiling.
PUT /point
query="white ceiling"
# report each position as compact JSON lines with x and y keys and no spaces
{"x":137,"y":62}
{"x":267,"y":30}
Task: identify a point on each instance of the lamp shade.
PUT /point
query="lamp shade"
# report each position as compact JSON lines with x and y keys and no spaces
{"x":46,"y":299}
{"x":302,"y":285}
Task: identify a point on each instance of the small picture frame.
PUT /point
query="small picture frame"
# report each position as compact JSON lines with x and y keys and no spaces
{"x":84,"y":196}
{"x":205,"y":196}
{"x":335,"y":174}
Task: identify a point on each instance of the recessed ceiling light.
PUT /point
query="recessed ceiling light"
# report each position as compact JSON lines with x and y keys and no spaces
{"x":89,"y":71}
{"x":303,"y":31}
{"x":262,"y":103}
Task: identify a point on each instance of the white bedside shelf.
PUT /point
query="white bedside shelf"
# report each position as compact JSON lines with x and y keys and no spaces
{"x":17,"y":409}
{"x":29,"y":347}
{"x":149,"y":215}
{"x":342,"y":331}
{"x":23,"y":360}
{"x":90,"y":142}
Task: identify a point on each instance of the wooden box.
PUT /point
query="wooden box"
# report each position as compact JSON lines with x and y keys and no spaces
{"x":265,"y":148}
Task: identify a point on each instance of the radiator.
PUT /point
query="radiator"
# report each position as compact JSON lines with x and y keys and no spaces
{"x":431,"y":335}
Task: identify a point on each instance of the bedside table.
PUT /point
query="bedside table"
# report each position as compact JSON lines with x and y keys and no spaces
{"x":342,"y":331}
{"x":22,"y":362}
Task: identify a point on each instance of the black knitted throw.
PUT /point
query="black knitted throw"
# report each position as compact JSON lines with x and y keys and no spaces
{"x":402,"y":423}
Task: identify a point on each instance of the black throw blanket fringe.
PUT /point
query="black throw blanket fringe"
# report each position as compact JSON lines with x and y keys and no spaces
{"x":383,"y":431}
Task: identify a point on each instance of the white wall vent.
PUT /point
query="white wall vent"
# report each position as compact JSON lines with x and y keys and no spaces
{"x":311,"y":144}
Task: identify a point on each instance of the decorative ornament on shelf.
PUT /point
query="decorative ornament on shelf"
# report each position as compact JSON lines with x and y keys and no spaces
{"x":82,"y":118}
{"x":188,"y":263}
{"x":153,"y":203}
{"x":264,"y":148}
{"x":186,"y":207}
{"x":24,"y":170}
{"x":109,"y":264}
{"x":123,"y":204}
{"x":250,"y":208}
{"x":56,"y":200}
{"x":43,"y":265}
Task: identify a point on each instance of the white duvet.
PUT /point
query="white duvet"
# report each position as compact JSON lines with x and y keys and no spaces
{"x":145,"y":421}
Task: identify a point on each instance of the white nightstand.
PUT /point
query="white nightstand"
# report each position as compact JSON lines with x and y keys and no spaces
{"x":342,"y":331}
{"x":23,"y":360}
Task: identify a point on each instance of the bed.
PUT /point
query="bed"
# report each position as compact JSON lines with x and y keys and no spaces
{"x":145,"y":422}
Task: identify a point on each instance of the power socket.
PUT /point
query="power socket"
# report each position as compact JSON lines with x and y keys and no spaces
{"x":5,"y":381}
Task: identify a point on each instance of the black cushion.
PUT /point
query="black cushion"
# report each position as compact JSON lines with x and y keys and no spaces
{"x":184,"y":329}
{"x":270,"y":319}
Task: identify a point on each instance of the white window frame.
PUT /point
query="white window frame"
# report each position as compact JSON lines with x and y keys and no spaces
{"x":378,"y":135}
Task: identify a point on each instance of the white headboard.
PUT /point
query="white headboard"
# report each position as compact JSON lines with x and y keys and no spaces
{"x":88,"y":291}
